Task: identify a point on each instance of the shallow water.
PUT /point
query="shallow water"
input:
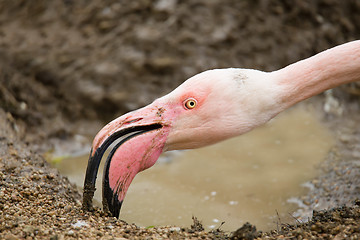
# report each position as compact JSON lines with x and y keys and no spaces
{"x":248,"y":178}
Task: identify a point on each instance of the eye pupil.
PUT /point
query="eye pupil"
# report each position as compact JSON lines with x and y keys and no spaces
{"x":190,"y":103}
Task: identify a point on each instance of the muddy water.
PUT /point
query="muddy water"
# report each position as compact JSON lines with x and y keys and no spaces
{"x":249,"y":178}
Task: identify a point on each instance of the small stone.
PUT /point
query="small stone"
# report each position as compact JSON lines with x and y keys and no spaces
{"x":35,"y":176}
{"x":107,"y":68}
{"x":70,"y":233}
{"x":10,"y":237}
{"x":54,"y":237}
{"x":52,"y":213}
{"x":345,"y":138}
{"x":174,"y":229}
{"x":67,"y":208}
{"x":316,"y":227}
{"x":50,"y":176}
{"x":28,"y":229}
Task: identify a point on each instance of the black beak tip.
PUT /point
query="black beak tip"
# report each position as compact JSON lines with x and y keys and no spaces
{"x":89,"y":183}
{"x":111,"y":204}
{"x":110,"y":200}
{"x":87,"y":198}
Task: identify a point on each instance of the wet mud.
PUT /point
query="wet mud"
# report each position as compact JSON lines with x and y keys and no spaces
{"x":67,"y":67}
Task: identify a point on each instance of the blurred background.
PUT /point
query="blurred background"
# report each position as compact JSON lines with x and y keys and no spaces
{"x":64,"y":61}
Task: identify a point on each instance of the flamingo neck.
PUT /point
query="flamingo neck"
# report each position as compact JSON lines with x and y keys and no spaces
{"x":326,"y":70}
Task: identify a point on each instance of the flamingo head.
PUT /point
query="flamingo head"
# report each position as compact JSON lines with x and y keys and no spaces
{"x":205,"y":109}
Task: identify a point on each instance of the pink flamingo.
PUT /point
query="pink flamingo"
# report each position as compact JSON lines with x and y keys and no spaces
{"x":208,"y":108}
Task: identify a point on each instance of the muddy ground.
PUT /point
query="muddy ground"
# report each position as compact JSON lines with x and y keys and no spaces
{"x":67,"y":67}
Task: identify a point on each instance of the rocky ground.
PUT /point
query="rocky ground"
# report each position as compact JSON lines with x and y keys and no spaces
{"x":66,"y":67}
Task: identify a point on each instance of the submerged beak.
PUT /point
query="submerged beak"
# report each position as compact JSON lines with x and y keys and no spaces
{"x":141,"y":137}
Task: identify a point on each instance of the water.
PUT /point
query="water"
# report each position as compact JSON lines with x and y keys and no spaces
{"x":249,"y":178}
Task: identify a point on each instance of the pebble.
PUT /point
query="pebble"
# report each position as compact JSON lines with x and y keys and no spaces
{"x":35,"y":176}
{"x":175,"y":229}
{"x":70,"y":233}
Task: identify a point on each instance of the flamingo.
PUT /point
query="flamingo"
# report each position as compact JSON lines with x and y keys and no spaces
{"x":207,"y":108}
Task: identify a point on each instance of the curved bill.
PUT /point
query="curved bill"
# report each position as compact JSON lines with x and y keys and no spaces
{"x":142,"y":135}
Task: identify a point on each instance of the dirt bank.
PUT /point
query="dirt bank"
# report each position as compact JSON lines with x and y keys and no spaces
{"x":66,"y":67}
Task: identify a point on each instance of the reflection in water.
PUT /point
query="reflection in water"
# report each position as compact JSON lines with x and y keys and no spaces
{"x":248,"y":178}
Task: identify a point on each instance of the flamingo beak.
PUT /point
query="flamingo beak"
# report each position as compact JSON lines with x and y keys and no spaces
{"x":140,"y":136}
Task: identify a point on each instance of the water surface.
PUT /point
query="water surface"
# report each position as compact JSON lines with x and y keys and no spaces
{"x":248,"y":178}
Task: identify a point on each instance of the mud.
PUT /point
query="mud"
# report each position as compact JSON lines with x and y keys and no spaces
{"x":67,"y":67}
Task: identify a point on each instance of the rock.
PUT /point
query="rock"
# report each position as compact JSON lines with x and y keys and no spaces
{"x":247,"y":231}
{"x":165,"y":5}
{"x":107,"y":69}
{"x":10,"y":237}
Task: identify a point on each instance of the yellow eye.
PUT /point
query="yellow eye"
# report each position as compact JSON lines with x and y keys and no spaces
{"x":190,"y":103}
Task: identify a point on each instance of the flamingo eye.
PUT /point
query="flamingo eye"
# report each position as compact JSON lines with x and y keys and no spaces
{"x":190,"y":103}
